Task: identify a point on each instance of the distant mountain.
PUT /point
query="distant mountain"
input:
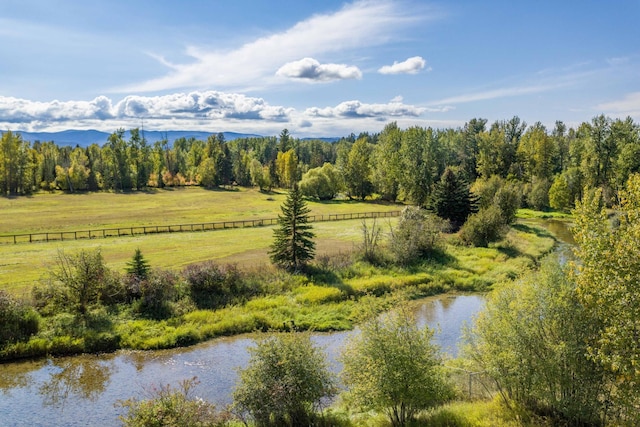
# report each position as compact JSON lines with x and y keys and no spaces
{"x":84,"y":138}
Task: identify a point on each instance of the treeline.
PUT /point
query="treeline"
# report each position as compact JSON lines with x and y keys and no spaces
{"x":553,"y":165}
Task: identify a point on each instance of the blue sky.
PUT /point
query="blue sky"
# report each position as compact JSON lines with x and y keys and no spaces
{"x":317,"y":68}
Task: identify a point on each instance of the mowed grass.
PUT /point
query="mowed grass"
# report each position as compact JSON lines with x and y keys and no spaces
{"x":187,"y":205}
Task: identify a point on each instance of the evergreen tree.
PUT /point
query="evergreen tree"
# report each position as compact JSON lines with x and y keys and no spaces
{"x":138,"y":267}
{"x":292,"y":246}
{"x":452,"y":200}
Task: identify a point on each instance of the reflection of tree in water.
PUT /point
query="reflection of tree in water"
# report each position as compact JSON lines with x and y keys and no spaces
{"x":17,"y":375}
{"x":84,"y":377}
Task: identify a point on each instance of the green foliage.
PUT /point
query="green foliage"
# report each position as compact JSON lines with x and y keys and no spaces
{"x":451,"y":199}
{"x":172,"y":407}
{"x":483,"y":227}
{"x":538,"y":195}
{"x":212,"y":286}
{"x":323,"y":183}
{"x":18,"y":321}
{"x":422,"y":163}
{"x":387,"y":162}
{"x":607,"y":275}
{"x":292,"y":247}
{"x":532,"y":340}
{"x":357,"y":170}
{"x":393,"y":367}
{"x":138,"y":267}
{"x":156,"y":294}
{"x":284,"y":382}
{"x":507,"y":199}
{"x":417,"y":234}
{"x":79,"y":281}
{"x":559,"y":195}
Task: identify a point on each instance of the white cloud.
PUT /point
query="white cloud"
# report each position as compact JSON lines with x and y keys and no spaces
{"x":357,"y":25}
{"x":357,"y":109}
{"x":411,"y":66}
{"x":629,"y":105}
{"x":312,"y":70}
{"x":208,"y":105}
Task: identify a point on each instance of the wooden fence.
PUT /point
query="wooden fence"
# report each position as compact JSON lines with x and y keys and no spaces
{"x":50,"y":236}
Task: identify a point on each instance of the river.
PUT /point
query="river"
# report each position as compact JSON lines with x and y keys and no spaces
{"x":82,"y":390}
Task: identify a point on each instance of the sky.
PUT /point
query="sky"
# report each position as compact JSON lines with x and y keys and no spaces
{"x":319,"y":68}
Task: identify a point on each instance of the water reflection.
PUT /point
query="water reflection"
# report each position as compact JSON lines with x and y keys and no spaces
{"x":81,"y":391}
{"x":82,"y":377}
{"x":17,"y":375}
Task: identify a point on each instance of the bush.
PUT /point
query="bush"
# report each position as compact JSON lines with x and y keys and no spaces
{"x":156,"y":294}
{"x":532,"y":339}
{"x":417,"y":234}
{"x":284,"y":382}
{"x":393,"y":367}
{"x":483,"y":227}
{"x":18,"y":321}
{"x":172,"y":407}
{"x":212,"y":286}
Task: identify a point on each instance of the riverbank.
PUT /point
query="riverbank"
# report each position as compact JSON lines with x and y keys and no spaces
{"x":329,"y":298}
{"x":83,"y":390}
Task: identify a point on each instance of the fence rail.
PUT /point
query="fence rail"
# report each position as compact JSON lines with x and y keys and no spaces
{"x":50,"y":236}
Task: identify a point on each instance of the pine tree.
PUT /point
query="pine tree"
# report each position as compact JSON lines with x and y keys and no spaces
{"x":138,"y":267}
{"x":452,"y":200}
{"x":292,"y":246}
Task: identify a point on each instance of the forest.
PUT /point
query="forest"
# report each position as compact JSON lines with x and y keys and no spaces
{"x":551,"y":166}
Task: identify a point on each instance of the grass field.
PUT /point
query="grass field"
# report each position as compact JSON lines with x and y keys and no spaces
{"x":69,"y":212}
{"x":24,"y":263}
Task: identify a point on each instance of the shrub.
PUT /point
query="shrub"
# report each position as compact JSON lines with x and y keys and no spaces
{"x":18,"y":321}
{"x":532,"y":339}
{"x":393,"y":367}
{"x":417,"y":234}
{"x":213,"y":286}
{"x":284,"y":382}
{"x":172,"y":407}
{"x":483,"y":227}
{"x":156,"y":294}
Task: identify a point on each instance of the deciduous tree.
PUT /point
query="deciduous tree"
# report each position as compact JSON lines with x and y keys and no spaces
{"x":393,"y":367}
{"x":284,"y":382}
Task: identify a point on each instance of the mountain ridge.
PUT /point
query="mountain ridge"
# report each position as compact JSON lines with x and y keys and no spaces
{"x":85,"y":138}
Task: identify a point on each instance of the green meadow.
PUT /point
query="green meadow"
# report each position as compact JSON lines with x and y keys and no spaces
{"x":24,"y":263}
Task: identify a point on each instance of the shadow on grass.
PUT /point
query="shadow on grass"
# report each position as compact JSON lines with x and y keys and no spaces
{"x":539,"y":232}
{"x":327,"y":277}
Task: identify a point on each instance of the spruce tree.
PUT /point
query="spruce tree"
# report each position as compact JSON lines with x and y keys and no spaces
{"x":292,"y":246}
{"x":452,"y":200}
{"x":138,"y":267}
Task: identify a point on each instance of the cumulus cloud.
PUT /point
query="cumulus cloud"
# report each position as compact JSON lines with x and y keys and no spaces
{"x":357,"y":109}
{"x":411,"y":66}
{"x":15,"y":110}
{"x":311,"y":70}
{"x":357,"y":25}
{"x":207,"y":105}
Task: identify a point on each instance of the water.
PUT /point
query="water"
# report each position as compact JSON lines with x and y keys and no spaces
{"x":82,"y":390}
